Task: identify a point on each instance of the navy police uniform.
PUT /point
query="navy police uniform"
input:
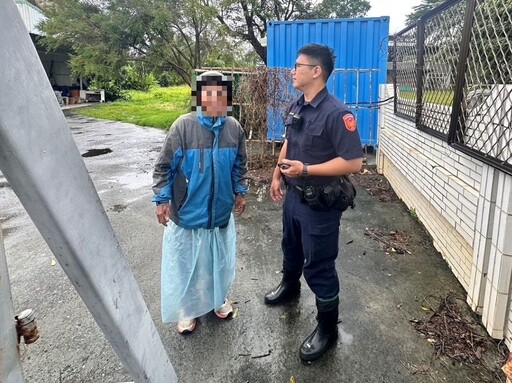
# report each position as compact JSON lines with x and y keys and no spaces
{"x":326,"y":130}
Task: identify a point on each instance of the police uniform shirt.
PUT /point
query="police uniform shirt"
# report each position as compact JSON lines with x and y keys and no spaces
{"x":327,"y":130}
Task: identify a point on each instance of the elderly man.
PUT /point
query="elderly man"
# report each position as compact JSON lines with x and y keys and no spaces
{"x":200,"y":174}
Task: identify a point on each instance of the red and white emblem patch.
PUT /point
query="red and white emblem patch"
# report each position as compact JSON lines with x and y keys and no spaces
{"x":350,"y":122}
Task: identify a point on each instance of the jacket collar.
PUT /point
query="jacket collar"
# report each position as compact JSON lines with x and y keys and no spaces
{"x":316,"y":100}
{"x":210,"y":123}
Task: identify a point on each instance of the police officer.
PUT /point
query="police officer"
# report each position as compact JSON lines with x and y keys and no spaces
{"x":321,"y":144}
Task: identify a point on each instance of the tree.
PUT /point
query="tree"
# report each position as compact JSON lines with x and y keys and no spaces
{"x":105,"y":35}
{"x":422,"y":9}
{"x":247,"y":19}
{"x":340,"y":9}
{"x":176,"y":36}
{"x":79,"y":25}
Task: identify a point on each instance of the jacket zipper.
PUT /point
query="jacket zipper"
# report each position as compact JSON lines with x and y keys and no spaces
{"x":201,"y":161}
{"x":212,"y":194}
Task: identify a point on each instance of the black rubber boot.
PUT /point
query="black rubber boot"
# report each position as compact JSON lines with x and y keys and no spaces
{"x":325,"y":333}
{"x":288,"y":289}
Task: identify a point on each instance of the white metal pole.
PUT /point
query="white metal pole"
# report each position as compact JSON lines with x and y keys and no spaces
{"x":42,"y":164}
{"x":10,"y":365}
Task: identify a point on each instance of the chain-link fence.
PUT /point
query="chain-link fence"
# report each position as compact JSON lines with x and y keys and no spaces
{"x":442,"y":34}
{"x":453,"y":77}
{"x":404,"y":68}
{"x":484,"y":121}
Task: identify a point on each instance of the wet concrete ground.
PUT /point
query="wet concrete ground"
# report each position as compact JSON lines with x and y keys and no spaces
{"x":380,"y":293}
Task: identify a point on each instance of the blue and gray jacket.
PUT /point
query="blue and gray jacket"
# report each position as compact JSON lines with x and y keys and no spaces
{"x":200,"y":169}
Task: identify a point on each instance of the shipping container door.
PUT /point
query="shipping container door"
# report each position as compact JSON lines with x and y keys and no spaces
{"x":360,"y":46}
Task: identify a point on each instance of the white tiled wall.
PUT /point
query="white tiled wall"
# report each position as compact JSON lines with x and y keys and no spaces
{"x":465,"y":205}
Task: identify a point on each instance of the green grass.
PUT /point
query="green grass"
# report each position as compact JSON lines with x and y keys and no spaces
{"x":158,"y":108}
{"x":441,"y":97}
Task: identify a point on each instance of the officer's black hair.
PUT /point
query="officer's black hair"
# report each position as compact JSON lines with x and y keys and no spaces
{"x":323,"y":54}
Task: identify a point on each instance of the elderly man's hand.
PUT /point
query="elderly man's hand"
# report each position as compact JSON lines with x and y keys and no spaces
{"x":162,"y":213}
{"x":239,"y":204}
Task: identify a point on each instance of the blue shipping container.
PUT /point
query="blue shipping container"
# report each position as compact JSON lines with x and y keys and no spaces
{"x":361,"y":49}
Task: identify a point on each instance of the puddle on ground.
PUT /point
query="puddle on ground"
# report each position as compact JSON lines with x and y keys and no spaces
{"x":96,"y":152}
{"x":7,"y":230}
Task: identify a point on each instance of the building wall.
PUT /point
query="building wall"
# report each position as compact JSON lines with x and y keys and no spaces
{"x":57,"y":69}
{"x":465,"y":205}
{"x":31,"y":16}
{"x":54,"y":63}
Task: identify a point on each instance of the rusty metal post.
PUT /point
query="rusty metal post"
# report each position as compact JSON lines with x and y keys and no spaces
{"x":42,"y":164}
{"x":10,"y":365}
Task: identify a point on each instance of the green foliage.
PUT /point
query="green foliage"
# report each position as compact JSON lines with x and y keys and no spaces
{"x":106,"y":35}
{"x":340,"y":9}
{"x":135,"y":77}
{"x":440,"y":97}
{"x":172,"y":36}
{"x":169,"y":79}
{"x":420,"y":10}
{"x":159,"y":107}
{"x":84,"y":27}
{"x":247,"y":20}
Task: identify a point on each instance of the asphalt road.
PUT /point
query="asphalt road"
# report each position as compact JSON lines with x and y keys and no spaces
{"x":380,"y":292}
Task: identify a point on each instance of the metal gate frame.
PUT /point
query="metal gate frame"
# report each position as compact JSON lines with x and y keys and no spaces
{"x":42,"y":164}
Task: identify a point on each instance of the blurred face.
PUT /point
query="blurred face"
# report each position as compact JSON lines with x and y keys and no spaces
{"x":304,"y":72}
{"x":214,"y":100}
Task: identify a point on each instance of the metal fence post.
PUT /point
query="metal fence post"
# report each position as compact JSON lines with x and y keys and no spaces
{"x":420,"y":66}
{"x":42,"y":164}
{"x":10,"y":365}
{"x":395,"y":67}
{"x":461,"y":71}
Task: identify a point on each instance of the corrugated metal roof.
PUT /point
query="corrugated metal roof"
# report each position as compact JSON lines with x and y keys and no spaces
{"x":31,"y":16}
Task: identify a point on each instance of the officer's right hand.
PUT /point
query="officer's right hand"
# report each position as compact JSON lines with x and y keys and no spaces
{"x":275,"y":190}
{"x":162,"y":213}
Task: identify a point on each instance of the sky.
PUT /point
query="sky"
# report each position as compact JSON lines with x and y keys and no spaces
{"x":397,"y":10}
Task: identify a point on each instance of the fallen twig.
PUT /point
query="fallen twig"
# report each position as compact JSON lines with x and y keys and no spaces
{"x":392,"y":246}
{"x":450,"y":333}
{"x":262,"y":355}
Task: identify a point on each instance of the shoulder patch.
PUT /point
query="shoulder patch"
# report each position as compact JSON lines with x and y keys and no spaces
{"x":350,"y":122}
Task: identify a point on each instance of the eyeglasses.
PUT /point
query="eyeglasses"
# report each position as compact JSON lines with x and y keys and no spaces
{"x":298,"y":65}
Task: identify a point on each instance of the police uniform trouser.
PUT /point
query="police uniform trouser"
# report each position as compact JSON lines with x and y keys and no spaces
{"x":310,"y":245}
